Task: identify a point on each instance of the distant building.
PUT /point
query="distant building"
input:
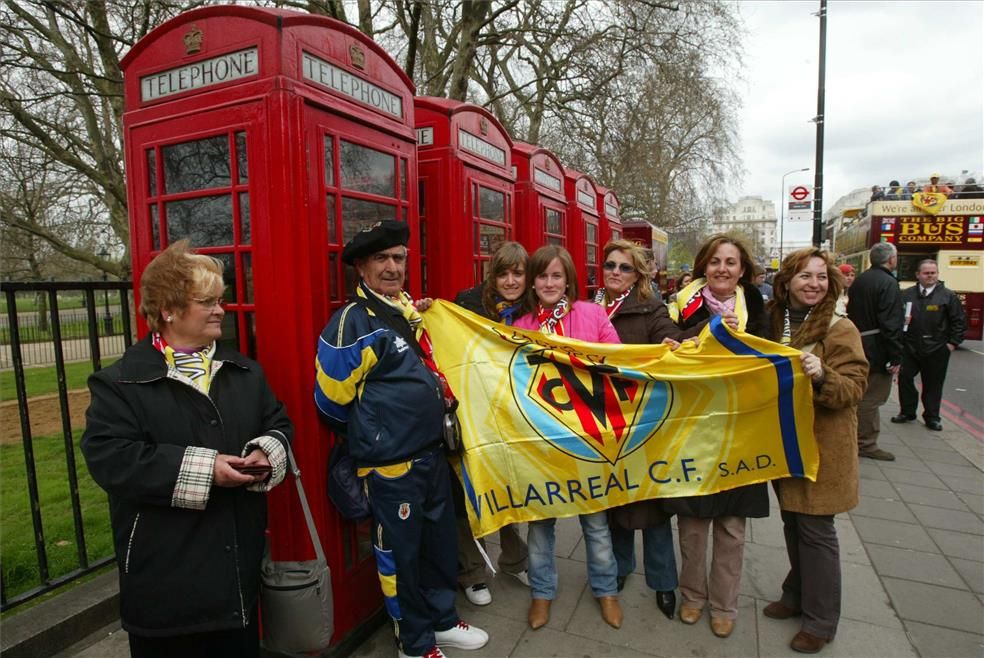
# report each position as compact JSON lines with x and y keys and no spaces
{"x":751,"y":216}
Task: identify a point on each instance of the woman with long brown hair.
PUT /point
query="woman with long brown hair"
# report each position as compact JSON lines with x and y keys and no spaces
{"x":804,"y":315}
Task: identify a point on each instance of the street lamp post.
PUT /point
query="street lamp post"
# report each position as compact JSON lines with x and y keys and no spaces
{"x":782,"y":208}
{"x":108,"y":317}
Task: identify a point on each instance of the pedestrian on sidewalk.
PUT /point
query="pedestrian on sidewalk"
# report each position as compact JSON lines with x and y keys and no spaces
{"x":934,"y":326}
{"x":186,"y":437}
{"x":875,"y":308}
{"x":723,"y":287}
{"x":804,"y":316}
{"x":502,"y":298}
{"x":556,"y":311}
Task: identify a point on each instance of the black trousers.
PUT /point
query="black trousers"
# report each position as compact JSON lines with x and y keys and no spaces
{"x":931,"y":368}
{"x":813,"y":584}
{"x":237,"y":643}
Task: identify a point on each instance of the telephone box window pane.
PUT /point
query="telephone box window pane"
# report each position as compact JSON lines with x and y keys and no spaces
{"x":329,"y":161}
{"x":228,"y":278}
{"x":592,"y":255}
{"x":333,"y":292}
{"x":592,"y":232}
{"x":489,"y":237}
{"x":351,"y":279}
{"x":230,"y":330}
{"x":332,"y":224}
{"x":155,"y":227}
{"x":151,"y":172}
{"x":553,"y":221}
{"x":403,"y":179}
{"x":244,"y":235}
{"x":358,"y":214}
{"x":197,"y":165}
{"x":553,"y":239}
{"x":616,"y":235}
{"x":241,"y":159}
{"x":247,"y":277}
{"x":367,"y":170}
{"x":420,"y":200}
{"x":206,"y":221}
{"x":250,"y":335}
{"x":491,"y":204}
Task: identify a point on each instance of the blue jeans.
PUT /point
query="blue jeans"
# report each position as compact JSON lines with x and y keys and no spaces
{"x":602,"y":567}
{"x":657,"y":555}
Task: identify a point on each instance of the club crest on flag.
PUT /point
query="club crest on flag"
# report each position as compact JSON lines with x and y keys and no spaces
{"x":588,"y":410}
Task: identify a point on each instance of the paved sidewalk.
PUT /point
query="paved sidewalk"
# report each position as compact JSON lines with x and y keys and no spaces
{"x":912,"y":555}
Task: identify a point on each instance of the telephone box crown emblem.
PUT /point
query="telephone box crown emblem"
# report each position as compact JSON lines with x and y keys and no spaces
{"x":193,"y":40}
{"x":483,"y":125}
{"x":357,"y":56}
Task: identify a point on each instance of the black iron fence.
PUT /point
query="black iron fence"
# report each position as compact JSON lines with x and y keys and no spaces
{"x":36,"y":332}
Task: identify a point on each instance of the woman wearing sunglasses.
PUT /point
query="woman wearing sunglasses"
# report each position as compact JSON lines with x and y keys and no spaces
{"x":639,"y":317}
{"x":554,"y":280}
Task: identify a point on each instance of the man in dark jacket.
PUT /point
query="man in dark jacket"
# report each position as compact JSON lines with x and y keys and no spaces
{"x":875,"y":308}
{"x":374,"y":389}
{"x":934,"y":326}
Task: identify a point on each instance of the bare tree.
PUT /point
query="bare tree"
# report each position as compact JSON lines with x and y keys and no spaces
{"x":61,"y":90}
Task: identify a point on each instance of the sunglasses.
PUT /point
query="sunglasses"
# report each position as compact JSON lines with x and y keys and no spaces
{"x":624,"y":268}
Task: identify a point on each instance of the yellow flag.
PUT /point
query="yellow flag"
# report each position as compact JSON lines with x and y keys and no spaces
{"x":554,"y":427}
{"x":929,"y":202}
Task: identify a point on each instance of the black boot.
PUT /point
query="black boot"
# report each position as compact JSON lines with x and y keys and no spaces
{"x":620,"y":581}
{"x":666,"y":602}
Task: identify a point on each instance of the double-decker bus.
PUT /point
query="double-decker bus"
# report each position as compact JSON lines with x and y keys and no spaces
{"x":954,"y":238}
{"x":648,"y":235}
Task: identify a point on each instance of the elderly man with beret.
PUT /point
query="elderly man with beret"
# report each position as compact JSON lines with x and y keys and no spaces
{"x":378,"y":388}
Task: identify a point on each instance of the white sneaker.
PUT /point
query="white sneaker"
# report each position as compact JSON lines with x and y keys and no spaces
{"x":521,"y":576}
{"x":433,"y":653}
{"x":462,"y":636}
{"x":478,"y":594}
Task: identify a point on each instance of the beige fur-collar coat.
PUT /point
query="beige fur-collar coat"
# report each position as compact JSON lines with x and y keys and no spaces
{"x":835,"y":413}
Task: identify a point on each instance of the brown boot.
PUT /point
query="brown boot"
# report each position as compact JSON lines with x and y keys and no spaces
{"x":806,"y":643}
{"x":539,"y":613}
{"x":779,"y":610}
{"x":611,"y":610}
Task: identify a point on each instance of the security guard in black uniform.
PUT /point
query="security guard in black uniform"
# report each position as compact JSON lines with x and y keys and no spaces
{"x":935,"y":325}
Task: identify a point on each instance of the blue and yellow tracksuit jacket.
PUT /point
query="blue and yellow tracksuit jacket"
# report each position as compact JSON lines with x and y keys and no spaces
{"x":374,"y":389}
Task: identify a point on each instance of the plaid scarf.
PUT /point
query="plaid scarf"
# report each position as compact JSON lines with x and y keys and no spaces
{"x":551,"y":319}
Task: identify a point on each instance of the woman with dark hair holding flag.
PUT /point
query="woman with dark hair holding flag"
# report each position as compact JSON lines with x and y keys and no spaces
{"x":501,"y":297}
{"x":722,"y":286}
{"x":555,"y":312}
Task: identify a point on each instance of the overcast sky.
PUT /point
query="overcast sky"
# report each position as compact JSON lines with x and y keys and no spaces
{"x":904,"y":94}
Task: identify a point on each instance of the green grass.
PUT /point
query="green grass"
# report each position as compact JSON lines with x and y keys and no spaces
{"x":17,"y":552}
{"x":42,"y":381}
{"x":70,"y":329}
{"x":29,"y":302}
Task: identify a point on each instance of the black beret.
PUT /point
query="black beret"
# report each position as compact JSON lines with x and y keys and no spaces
{"x":377,"y":237}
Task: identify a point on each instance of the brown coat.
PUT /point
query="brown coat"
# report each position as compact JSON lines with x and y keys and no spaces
{"x":845,"y":372}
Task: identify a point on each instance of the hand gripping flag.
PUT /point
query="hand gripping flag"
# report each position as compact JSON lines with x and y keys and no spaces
{"x":554,"y":427}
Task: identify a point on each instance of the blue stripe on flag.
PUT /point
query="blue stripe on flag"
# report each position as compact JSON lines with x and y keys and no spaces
{"x":784,"y":372}
{"x":469,"y":488}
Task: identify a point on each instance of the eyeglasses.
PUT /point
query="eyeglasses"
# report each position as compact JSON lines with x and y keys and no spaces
{"x":624,"y":268}
{"x":209,"y":302}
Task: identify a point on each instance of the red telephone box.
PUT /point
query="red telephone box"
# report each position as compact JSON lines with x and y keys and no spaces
{"x":464,"y":160}
{"x":541,"y":205}
{"x":269,"y":137}
{"x":582,"y":200}
{"x":611,"y":222}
